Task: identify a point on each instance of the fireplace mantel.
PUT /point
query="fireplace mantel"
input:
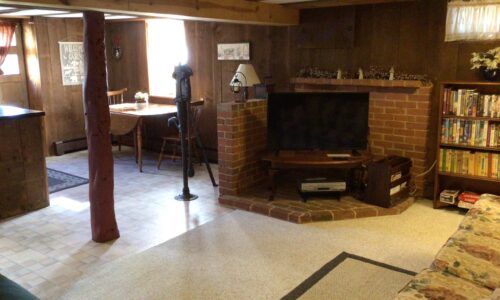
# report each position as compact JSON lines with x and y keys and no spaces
{"x":360,"y":82}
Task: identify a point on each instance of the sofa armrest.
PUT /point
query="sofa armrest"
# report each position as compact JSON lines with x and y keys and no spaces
{"x":9,"y":290}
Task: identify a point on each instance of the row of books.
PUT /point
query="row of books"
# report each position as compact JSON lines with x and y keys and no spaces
{"x":470,"y":132}
{"x":469,"y":163}
{"x":470,"y":103}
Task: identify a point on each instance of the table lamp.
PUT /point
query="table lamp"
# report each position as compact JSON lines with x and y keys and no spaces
{"x":244,"y":77}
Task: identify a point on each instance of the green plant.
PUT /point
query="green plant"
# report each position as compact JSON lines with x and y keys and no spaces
{"x":489,"y":59}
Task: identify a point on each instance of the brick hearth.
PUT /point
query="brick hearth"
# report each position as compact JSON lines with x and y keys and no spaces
{"x":399,"y":114}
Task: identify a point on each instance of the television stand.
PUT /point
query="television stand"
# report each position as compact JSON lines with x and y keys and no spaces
{"x":308,"y":160}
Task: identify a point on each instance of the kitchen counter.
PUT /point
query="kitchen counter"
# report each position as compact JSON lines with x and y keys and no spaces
{"x":23,"y":187}
{"x":12,"y":112}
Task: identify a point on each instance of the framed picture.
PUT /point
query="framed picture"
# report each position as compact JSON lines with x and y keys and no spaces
{"x":235,"y":51}
{"x":71,"y":62}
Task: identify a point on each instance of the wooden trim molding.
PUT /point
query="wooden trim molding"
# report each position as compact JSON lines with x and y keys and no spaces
{"x":10,"y":78}
{"x":333,"y":3}
{"x":360,"y":82}
{"x":237,"y":11}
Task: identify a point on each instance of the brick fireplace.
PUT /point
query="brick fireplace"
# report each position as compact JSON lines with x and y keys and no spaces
{"x":399,"y":115}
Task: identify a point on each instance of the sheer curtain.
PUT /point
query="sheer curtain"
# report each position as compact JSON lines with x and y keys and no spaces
{"x":473,"y":20}
{"x":7,"y":30}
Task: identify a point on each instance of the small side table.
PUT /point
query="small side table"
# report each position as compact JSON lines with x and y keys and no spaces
{"x":308,"y":160}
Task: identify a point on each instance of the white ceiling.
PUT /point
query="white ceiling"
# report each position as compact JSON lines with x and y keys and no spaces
{"x":17,"y":12}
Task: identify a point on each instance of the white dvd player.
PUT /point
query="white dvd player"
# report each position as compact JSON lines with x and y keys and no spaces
{"x":322,"y":185}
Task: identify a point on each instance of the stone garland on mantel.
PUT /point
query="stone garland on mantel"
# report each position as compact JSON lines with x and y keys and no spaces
{"x":372,"y":72}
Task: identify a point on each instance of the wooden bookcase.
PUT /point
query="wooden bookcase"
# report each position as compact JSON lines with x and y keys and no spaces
{"x":462,"y":181}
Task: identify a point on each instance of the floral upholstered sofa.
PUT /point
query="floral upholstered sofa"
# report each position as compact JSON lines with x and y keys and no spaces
{"x":468,"y":265}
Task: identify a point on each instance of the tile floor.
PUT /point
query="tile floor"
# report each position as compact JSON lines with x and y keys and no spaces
{"x":49,"y":248}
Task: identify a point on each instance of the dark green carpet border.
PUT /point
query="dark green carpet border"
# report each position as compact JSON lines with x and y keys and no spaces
{"x":302,"y":288}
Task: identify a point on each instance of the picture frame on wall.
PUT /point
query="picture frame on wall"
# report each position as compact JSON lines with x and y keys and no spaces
{"x":71,"y":54}
{"x":233,"y":51}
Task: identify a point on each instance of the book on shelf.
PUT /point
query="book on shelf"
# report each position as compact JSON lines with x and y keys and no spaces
{"x":470,"y":103}
{"x":462,"y":162}
{"x":470,"y":132}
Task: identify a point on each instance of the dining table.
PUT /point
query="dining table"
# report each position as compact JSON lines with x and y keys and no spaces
{"x":129,"y":117}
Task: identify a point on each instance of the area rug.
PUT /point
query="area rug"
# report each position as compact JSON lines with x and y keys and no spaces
{"x":59,"y":181}
{"x":243,"y":255}
{"x":350,"y":276}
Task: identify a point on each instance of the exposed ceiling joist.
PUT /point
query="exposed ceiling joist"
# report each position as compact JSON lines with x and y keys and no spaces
{"x":238,"y":11}
{"x":333,"y":3}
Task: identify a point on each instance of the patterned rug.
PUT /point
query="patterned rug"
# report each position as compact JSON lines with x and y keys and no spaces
{"x":349,"y":276}
{"x":59,"y":181}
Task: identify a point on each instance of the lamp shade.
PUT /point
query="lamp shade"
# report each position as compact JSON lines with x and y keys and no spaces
{"x":245,"y":76}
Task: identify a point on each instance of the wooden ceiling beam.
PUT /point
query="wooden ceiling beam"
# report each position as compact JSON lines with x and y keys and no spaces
{"x":235,"y":11}
{"x":333,"y":3}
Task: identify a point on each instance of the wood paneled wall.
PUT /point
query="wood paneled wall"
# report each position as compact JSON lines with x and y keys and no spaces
{"x":406,"y":35}
{"x":211,"y":77}
{"x":131,"y":70}
{"x":63,"y":105}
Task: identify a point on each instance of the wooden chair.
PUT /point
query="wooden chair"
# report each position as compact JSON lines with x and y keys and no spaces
{"x":175,"y":140}
{"x":116,"y":97}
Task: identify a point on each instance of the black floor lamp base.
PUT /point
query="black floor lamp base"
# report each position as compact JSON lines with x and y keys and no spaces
{"x":188,"y":197}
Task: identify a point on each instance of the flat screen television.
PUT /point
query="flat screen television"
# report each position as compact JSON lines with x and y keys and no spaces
{"x":317,"y":121}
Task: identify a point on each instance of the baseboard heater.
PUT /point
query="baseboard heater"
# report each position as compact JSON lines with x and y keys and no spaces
{"x":66,"y":146}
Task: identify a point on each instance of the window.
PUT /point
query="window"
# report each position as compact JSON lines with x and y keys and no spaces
{"x":11,"y":64}
{"x":166,"y":48}
{"x":473,"y":20}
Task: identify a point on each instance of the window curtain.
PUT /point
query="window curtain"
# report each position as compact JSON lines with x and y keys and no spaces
{"x":7,"y":30}
{"x":473,"y":20}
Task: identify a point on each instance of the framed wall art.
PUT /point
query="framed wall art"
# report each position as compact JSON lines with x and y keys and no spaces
{"x":233,"y":51}
{"x":71,"y":62}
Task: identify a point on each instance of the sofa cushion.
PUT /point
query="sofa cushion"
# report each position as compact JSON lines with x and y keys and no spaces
{"x":482,"y":225}
{"x":484,"y":217}
{"x":471,"y":257}
{"x":486,"y":205}
{"x":430,"y":284}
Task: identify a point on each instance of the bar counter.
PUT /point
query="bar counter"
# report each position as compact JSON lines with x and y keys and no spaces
{"x":23,"y":174}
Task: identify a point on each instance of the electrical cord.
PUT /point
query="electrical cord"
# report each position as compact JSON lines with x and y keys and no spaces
{"x":413,"y":187}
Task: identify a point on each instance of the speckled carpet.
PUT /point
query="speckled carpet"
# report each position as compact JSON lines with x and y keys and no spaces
{"x":242,"y":255}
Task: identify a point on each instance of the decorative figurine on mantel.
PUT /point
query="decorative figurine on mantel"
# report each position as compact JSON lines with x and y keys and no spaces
{"x":372,"y":72}
{"x":360,"y":74}
{"x":339,"y":73}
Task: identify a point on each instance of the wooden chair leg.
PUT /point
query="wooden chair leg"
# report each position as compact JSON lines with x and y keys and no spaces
{"x":119,"y":141}
{"x":135,"y":148}
{"x":160,"y":158}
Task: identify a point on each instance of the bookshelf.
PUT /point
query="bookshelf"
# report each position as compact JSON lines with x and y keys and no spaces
{"x":468,"y":138}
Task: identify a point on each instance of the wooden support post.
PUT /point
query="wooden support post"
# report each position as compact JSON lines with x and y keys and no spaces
{"x":101,"y":184}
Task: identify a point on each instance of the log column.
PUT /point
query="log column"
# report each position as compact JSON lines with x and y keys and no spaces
{"x":101,"y":185}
